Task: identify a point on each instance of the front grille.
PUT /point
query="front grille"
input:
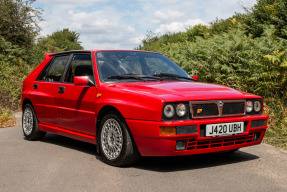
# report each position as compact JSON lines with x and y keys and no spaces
{"x":219,"y":142}
{"x":233,"y":108}
{"x":209,"y":109}
{"x":217,"y":108}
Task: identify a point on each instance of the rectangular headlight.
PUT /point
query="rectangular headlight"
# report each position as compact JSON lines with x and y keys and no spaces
{"x":183,"y":130}
{"x":257,"y":123}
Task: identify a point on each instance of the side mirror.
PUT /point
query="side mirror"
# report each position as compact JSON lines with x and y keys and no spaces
{"x":195,"y":78}
{"x":83,"y":81}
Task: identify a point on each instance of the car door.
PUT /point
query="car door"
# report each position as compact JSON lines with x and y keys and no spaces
{"x":45,"y":90}
{"x":76,"y":104}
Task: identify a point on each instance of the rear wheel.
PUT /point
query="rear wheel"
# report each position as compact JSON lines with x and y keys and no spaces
{"x":30,"y":124}
{"x":116,"y":144}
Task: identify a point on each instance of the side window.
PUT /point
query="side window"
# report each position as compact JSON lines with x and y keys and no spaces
{"x":81,"y":65}
{"x":54,"y":72}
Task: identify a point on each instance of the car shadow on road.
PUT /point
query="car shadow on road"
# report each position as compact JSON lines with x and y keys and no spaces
{"x":179,"y":163}
{"x":159,"y":164}
{"x":70,"y":143}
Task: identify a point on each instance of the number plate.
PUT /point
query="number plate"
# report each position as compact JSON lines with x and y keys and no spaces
{"x":223,"y":129}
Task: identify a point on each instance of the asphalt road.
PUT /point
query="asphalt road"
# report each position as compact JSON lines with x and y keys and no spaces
{"x":62,"y":164}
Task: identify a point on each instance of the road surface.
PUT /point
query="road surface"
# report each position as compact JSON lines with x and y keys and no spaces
{"x":62,"y":164}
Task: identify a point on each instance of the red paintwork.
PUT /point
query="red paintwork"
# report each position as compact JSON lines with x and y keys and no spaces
{"x":195,"y":78}
{"x":74,"y":112}
{"x":81,"y":81}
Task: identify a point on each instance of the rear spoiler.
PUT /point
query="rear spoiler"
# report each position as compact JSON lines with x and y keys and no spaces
{"x":47,"y":55}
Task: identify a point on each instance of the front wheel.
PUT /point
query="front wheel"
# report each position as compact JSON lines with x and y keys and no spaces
{"x":116,"y":144}
{"x":30,"y":124}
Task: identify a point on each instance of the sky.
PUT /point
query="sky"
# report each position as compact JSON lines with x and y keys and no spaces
{"x":122,"y":24}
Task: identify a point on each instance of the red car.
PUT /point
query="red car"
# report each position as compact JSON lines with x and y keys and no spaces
{"x":136,"y":103}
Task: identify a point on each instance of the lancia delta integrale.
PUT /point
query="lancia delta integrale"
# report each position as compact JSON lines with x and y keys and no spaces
{"x":136,"y":103}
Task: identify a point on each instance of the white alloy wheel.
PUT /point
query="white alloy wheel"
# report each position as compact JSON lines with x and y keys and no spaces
{"x":111,"y":139}
{"x":28,"y":121}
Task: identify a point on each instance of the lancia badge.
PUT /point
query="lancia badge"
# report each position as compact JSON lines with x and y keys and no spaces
{"x":220,"y":103}
{"x":199,"y":110}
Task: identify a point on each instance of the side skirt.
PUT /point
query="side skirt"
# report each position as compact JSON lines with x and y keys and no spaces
{"x":68,"y":133}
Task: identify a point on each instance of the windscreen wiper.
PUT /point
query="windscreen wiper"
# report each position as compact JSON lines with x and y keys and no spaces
{"x":133,"y":76}
{"x":173,"y":76}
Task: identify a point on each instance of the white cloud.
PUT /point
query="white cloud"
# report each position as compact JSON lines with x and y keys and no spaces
{"x":102,"y":30}
{"x":164,"y":16}
{"x":177,"y":26}
{"x":120,"y":24}
{"x":73,"y":1}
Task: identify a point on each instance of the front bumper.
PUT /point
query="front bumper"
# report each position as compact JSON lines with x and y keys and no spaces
{"x":150,"y":143}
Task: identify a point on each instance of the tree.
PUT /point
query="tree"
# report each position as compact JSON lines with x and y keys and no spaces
{"x":64,"y":40}
{"x":59,"y":41}
{"x":18,"y":22}
{"x":268,"y":12}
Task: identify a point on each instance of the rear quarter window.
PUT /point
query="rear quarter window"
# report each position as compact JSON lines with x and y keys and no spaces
{"x":55,"y":70}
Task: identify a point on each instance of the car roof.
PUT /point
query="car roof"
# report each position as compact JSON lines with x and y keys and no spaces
{"x":94,"y":50}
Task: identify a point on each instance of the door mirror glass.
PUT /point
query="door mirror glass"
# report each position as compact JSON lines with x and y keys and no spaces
{"x":195,"y":78}
{"x":83,"y":81}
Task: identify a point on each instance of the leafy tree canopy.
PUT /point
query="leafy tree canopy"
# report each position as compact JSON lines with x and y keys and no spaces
{"x":18,"y":22}
{"x":62,"y":40}
{"x":270,"y":12}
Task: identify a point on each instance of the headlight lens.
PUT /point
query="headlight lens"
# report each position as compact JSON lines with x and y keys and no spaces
{"x":180,"y":110}
{"x":249,"y":106}
{"x":168,"y":111}
{"x":257,"y":106}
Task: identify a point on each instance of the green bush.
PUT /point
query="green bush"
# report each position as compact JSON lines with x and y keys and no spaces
{"x":246,"y":52}
{"x":13,"y":70}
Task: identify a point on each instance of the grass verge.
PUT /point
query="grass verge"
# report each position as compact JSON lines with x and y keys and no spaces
{"x":7,"y":118}
{"x":276,"y":134}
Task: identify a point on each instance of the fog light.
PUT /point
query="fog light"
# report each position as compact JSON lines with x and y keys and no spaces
{"x":180,"y":145}
{"x":182,"y":130}
{"x":167,"y":130}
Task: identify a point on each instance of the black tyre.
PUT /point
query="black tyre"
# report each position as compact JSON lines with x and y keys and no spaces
{"x":115,"y":142}
{"x":30,"y":124}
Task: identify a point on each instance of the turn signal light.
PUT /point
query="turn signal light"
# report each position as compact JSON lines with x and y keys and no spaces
{"x":168,"y":130}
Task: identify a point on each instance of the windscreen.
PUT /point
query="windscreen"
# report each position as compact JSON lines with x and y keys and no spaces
{"x":116,"y":63}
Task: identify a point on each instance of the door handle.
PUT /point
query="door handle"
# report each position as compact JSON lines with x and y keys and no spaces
{"x":61,"y":89}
